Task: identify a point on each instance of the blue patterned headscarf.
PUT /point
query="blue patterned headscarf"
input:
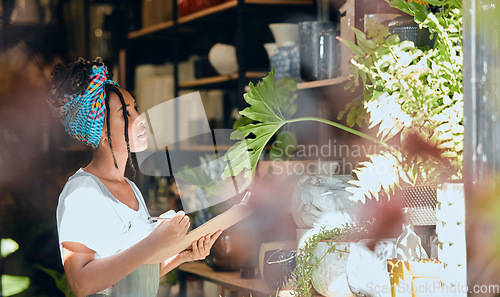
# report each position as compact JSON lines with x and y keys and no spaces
{"x":82,"y":115}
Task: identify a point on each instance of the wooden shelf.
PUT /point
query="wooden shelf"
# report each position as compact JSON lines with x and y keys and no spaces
{"x":209,"y":12}
{"x":227,"y":279}
{"x":213,"y":80}
{"x":322,"y":83}
{"x":150,"y":29}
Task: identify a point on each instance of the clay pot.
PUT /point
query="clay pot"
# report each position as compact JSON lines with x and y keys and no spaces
{"x":229,"y":252}
{"x":223,"y":58}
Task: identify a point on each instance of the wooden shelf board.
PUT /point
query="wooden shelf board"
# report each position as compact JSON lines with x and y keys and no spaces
{"x":231,"y":279}
{"x":207,"y":81}
{"x":322,"y":83}
{"x":206,"y":12}
{"x":150,"y":29}
{"x":218,"y":79}
{"x":209,"y":11}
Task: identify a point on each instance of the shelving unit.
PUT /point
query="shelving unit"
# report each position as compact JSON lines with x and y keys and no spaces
{"x":229,"y":6}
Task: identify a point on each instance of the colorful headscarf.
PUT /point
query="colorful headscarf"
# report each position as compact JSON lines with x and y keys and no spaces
{"x":82,"y":115}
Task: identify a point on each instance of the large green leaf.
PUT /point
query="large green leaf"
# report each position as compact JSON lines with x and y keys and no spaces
{"x":12,"y":285}
{"x":268,"y":109}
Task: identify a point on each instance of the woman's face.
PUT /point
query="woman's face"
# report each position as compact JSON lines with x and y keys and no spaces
{"x":136,"y":124}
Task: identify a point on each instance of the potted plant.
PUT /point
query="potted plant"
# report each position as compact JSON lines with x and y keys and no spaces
{"x":322,"y":259}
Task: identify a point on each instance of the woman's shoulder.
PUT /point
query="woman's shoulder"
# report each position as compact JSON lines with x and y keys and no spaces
{"x":81,"y":184}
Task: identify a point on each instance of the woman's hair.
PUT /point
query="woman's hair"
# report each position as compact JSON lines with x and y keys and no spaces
{"x":74,"y":78}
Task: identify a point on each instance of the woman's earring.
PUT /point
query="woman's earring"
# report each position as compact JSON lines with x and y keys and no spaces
{"x":103,"y":141}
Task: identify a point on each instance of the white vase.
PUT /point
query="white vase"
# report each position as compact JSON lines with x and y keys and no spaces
{"x":285,"y":34}
{"x":367,"y":273}
{"x":223,"y":58}
{"x":286,"y":59}
{"x":329,"y":275}
{"x":271,"y":48}
{"x":322,"y":200}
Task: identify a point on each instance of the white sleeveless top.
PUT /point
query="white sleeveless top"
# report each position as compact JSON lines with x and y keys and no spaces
{"x":88,"y":213}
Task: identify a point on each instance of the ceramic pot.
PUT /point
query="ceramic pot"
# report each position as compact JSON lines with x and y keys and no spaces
{"x":367,"y":273}
{"x":276,"y":262}
{"x":323,"y":200}
{"x":285,"y":34}
{"x":407,"y":29}
{"x":329,"y":275}
{"x":286,"y":60}
{"x":271,"y":48}
{"x":223,"y":58}
{"x":229,"y":251}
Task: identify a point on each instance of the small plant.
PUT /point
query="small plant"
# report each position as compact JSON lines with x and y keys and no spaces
{"x":306,"y":261}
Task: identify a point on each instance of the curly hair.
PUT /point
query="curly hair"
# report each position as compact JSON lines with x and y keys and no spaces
{"x":73,"y":78}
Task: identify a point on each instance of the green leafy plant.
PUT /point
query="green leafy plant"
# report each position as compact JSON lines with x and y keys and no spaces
{"x":268,"y":113}
{"x":410,"y":91}
{"x":286,"y":140}
{"x":306,"y":261}
{"x":11,"y":284}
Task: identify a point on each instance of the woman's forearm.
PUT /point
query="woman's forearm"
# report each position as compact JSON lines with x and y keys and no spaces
{"x":171,"y":264}
{"x":87,"y":275}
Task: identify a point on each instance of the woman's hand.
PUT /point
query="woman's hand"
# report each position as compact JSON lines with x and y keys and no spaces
{"x":170,"y":230}
{"x":201,"y":248}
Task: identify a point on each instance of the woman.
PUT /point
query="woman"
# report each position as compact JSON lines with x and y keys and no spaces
{"x":106,"y":237}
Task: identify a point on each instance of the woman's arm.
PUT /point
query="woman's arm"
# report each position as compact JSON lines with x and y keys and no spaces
{"x":199,"y":250}
{"x":87,"y":275}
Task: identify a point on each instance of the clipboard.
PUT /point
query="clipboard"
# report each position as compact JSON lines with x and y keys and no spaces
{"x":221,"y":222}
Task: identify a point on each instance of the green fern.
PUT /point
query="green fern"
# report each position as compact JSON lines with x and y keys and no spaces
{"x":410,"y":90}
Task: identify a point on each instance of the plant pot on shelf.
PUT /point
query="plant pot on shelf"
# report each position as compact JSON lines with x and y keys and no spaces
{"x":223,"y":58}
{"x":329,"y":274}
{"x":321,"y":200}
{"x":286,"y":59}
{"x":367,"y":273}
{"x":277,"y":262}
{"x":229,"y":251}
{"x":407,"y":29}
